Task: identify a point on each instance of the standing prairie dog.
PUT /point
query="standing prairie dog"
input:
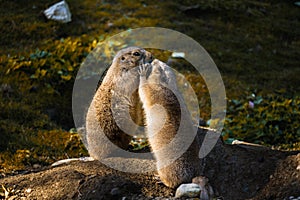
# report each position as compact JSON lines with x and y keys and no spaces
{"x":165,"y":111}
{"x":101,"y":125}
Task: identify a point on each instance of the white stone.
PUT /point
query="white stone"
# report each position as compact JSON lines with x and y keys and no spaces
{"x":188,"y":190}
{"x":28,"y":190}
{"x":36,"y":166}
{"x":59,"y":12}
{"x":178,"y":55}
{"x":69,"y":160}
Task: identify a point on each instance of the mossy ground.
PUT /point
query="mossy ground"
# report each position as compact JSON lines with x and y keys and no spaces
{"x":255,"y":44}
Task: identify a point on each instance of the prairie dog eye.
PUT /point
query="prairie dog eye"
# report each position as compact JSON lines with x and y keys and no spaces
{"x":136,"y":53}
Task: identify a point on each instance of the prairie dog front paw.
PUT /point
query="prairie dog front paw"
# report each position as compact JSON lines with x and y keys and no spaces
{"x":143,"y":69}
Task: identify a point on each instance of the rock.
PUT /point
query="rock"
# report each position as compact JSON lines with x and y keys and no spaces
{"x":36,"y":166}
{"x":115,"y":192}
{"x":28,"y":190}
{"x":178,"y":55}
{"x":6,"y":89}
{"x":67,"y":161}
{"x":188,"y":190}
{"x":59,"y":12}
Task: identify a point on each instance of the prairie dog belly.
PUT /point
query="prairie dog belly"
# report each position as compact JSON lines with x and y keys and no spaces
{"x":101,"y":125}
{"x":165,"y":111}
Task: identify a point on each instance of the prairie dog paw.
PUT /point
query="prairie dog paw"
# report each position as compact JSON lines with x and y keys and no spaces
{"x":143,"y":69}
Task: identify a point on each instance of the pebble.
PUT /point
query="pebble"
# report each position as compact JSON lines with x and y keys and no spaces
{"x":178,"y":55}
{"x":115,"y":191}
{"x":28,"y":190}
{"x":188,"y":190}
{"x":294,"y":198}
{"x":36,"y":166}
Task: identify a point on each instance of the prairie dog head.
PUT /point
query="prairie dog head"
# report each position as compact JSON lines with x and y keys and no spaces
{"x":125,"y":60}
{"x":157,"y":75}
{"x":131,"y":57}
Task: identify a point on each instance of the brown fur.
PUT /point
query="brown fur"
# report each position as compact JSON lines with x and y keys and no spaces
{"x":100,"y":122}
{"x":155,"y":90}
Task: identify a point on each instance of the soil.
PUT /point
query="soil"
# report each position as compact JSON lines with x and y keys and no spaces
{"x":242,"y":171}
{"x":251,"y":41}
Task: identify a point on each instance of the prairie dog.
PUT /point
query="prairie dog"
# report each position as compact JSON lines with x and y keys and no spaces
{"x":165,"y":111}
{"x":100,"y":121}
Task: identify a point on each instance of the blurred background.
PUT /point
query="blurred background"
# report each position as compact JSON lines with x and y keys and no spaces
{"x":254,"y":43}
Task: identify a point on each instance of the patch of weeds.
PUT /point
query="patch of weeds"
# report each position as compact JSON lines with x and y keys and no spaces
{"x":269,"y":120}
{"x":255,"y":44}
{"x":43,"y":148}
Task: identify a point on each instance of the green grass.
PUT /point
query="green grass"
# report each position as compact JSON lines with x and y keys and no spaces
{"x":255,"y":44}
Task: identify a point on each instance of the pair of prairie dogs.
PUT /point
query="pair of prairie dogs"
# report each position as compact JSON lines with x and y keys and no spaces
{"x":168,"y":124}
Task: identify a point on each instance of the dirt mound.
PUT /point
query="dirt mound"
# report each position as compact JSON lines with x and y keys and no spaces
{"x":234,"y":171}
